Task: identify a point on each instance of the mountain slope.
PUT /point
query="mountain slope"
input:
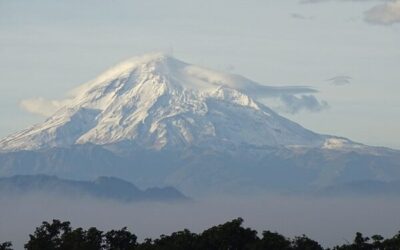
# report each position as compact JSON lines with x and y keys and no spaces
{"x":159,"y":102}
{"x":200,"y":171}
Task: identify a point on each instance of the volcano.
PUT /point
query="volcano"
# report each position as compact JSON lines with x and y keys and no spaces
{"x":156,"y":119}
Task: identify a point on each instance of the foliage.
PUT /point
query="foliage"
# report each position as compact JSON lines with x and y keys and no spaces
{"x":6,"y":246}
{"x":231,"y":235}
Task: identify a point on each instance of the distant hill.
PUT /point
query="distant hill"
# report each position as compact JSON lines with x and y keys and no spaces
{"x":110,"y":188}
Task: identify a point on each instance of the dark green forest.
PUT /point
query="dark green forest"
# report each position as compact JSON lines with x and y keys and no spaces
{"x":57,"y":235}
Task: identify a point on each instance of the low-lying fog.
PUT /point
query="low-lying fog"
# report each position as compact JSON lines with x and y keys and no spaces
{"x":328,"y":220}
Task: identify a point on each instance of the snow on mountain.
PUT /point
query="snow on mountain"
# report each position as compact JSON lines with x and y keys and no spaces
{"x":155,"y":120}
{"x":158,"y":102}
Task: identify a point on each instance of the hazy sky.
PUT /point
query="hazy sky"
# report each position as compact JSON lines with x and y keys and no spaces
{"x":348,"y":50}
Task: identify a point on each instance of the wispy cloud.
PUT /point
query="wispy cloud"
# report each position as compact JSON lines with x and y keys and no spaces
{"x":340,"y":80}
{"x":41,"y":106}
{"x":300,"y":16}
{"x":384,"y":14}
{"x":294,"y":104}
{"x":288,"y":99}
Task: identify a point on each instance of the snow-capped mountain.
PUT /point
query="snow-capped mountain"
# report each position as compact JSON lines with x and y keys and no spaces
{"x":155,"y":120}
{"x":158,"y":102}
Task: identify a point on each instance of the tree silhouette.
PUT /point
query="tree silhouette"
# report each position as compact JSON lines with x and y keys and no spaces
{"x":273,"y":241}
{"x":6,"y":246}
{"x":120,"y":240}
{"x":377,"y":242}
{"x":79,"y":239}
{"x":48,"y":236}
{"x":361,"y":242}
{"x":393,"y":243}
{"x":305,"y":243}
{"x":231,"y":235}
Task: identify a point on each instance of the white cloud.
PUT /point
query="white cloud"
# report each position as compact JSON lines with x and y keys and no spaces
{"x":384,"y":14}
{"x":340,"y":80}
{"x":300,"y":16}
{"x":288,"y":99}
{"x":43,"y":107}
{"x":294,"y":104}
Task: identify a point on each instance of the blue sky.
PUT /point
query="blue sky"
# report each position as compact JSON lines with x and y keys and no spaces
{"x":348,"y":50}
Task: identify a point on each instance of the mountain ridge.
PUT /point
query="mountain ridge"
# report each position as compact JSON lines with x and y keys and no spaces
{"x":109,"y":188}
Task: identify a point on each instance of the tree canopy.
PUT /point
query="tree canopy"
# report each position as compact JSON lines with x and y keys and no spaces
{"x":232,"y":235}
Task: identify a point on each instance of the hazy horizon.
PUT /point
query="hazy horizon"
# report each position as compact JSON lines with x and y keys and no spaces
{"x":331,"y":221}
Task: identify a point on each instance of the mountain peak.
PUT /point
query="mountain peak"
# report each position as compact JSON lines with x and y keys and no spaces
{"x":150,"y":60}
{"x":175,"y":73}
{"x":156,"y":101}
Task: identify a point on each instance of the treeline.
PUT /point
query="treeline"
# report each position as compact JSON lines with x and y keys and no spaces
{"x":232,"y":235}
